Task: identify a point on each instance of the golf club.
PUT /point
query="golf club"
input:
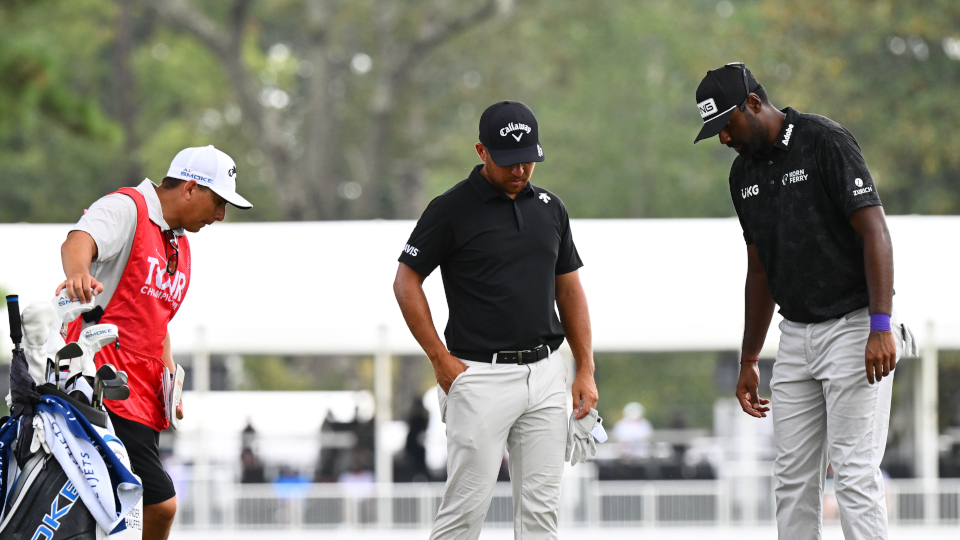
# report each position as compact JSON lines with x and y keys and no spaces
{"x":91,"y":341}
{"x":106,"y":373}
{"x":70,"y":350}
{"x":117,"y":393}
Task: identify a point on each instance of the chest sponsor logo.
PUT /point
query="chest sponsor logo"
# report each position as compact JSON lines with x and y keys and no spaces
{"x":545,"y":198}
{"x":707,"y":108}
{"x":161,"y":285}
{"x":410,"y":250}
{"x":748,"y":192}
{"x":793,"y":177}
{"x":511,"y":127}
{"x":787,"y":135}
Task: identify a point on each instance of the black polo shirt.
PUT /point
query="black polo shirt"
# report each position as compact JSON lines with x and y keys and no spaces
{"x":794,"y":205}
{"x":498,"y":257}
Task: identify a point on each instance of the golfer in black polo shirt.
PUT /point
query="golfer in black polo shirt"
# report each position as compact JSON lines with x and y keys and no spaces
{"x":818,"y":246}
{"x":507,"y":258}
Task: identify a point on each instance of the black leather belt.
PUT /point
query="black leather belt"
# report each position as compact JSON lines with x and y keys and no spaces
{"x":528,"y":356}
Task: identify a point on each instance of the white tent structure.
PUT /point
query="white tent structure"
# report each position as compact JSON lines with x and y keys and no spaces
{"x":653,"y":285}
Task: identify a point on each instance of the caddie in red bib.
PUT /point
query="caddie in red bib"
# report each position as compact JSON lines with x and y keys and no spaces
{"x":129,"y":250}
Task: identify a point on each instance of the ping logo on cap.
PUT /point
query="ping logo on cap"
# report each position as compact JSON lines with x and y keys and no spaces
{"x":232,"y":171}
{"x":707,"y":108}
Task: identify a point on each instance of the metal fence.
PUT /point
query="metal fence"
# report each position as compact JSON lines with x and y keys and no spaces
{"x":586,"y":502}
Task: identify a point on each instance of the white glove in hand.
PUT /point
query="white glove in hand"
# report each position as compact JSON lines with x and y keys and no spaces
{"x":582,"y":435}
{"x":910,"y":347}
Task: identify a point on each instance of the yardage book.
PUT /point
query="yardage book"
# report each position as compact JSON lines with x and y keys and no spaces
{"x":172,"y":390}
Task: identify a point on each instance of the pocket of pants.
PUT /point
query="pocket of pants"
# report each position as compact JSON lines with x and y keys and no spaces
{"x":859,"y":317}
{"x":445,"y":396}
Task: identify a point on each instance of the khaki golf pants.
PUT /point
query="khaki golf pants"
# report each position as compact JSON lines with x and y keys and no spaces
{"x":491,"y":406}
{"x":824,"y":408}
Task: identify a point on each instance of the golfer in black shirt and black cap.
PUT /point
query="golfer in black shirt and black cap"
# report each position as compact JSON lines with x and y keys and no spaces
{"x":507,"y":258}
{"x":818,"y":246}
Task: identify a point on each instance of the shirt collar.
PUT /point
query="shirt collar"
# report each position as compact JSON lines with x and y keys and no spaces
{"x":788,"y":132}
{"x":154,"y":209}
{"x":487,"y":191}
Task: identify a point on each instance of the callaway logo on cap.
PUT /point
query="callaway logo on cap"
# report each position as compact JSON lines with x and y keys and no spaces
{"x":509,"y":131}
{"x":719,"y":93}
{"x":209,"y":167}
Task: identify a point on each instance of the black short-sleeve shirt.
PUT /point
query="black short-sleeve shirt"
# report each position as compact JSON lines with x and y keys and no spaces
{"x":498,"y":258}
{"x":794,"y":205}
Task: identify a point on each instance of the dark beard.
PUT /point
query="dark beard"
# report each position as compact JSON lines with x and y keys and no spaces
{"x":757,"y":136}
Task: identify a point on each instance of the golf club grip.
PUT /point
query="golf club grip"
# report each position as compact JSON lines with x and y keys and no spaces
{"x":13,"y":310}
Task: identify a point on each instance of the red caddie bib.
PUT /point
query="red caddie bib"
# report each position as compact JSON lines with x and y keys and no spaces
{"x":146,"y":299}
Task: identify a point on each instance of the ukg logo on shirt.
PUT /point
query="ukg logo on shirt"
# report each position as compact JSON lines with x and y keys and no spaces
{"x":750,"y":191}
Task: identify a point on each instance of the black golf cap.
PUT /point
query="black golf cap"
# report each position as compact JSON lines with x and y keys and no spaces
{"x":509,"y":131}
{"x":721,"y":91}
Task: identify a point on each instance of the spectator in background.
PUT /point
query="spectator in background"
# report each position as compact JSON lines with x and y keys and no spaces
{"x":414,"y":459}
{"x":251,"y":469}
{"x":633,"y":431}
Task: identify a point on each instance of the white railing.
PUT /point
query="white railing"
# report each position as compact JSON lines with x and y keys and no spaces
{"x":586,"y":502}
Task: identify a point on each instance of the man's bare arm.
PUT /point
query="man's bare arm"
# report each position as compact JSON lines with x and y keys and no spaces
{"x":575,"y":317}
{"x":77,"y":253}
{"x":880,"y":356}
{"x":758,"y":311}
{"x":408,"y":288}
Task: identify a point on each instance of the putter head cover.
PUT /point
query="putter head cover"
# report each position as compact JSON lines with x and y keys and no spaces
{"x":582,"y":435}
{"x":37,"y":320}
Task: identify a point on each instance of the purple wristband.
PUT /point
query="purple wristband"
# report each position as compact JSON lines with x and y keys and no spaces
{"x":879,"y":322}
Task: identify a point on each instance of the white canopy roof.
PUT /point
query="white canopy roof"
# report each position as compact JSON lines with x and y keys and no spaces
{"x":326,"y":287}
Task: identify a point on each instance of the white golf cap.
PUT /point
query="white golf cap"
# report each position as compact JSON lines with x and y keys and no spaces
{"x":209,"y":167}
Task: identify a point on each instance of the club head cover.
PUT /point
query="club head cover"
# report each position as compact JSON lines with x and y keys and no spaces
{"x":68,"y":310}
{"x":37,"y":320}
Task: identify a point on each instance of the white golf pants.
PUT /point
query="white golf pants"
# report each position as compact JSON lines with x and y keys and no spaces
{"x":824,"y":408}
{"x":491,"y":406}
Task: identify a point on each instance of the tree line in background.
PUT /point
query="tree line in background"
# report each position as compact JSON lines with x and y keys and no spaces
{"x":358,"y":109}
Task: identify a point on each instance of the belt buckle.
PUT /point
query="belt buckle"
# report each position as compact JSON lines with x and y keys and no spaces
{"x":520,"y":357}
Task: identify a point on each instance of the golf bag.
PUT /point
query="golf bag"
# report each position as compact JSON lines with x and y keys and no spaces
{"x":57,"y":456}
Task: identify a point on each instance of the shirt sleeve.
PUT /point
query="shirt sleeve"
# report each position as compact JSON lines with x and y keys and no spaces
{"x":568,"y":259}
{"x":844,"y":173}
{"x":431,"y":241}
{"x":112,"y":222}
{"x":747,"y":237}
